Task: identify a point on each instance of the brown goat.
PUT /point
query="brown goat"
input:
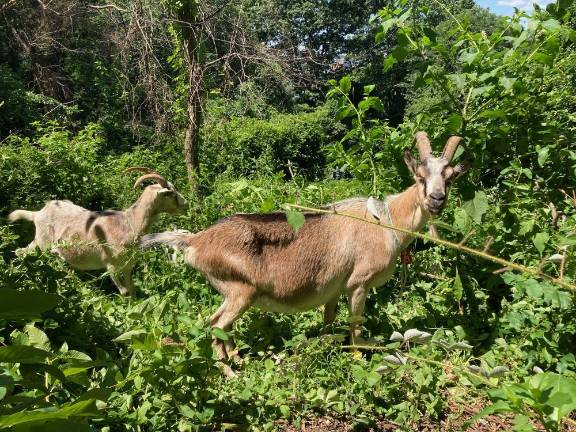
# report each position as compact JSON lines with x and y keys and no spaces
{"x":91,"y":240}
{"x":259,"y":260}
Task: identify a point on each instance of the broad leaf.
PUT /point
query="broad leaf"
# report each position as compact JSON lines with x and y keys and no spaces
{"x":477,"y":206}
{"x":296,"y":219}
{"x":23,"y":354}
{"x":25,"y":304}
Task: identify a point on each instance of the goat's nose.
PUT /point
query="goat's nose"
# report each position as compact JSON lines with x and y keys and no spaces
{"x":437,"y":195}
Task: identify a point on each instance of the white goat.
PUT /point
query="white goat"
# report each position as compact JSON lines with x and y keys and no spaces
{"x":90,"y":240}
{"x":260,"y":260}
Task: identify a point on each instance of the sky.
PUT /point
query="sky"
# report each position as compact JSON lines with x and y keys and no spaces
{"x":506,"y":7}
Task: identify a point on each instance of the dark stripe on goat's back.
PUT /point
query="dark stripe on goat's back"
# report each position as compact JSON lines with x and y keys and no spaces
{"x":274,"y":217}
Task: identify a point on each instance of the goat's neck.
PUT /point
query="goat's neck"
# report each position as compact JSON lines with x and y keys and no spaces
{"x":140,"y":215}
{"x":407,"y":212}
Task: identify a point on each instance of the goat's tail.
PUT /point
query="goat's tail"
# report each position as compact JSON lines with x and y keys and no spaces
{"x":22,"y":214}
{"x":178,"y":239}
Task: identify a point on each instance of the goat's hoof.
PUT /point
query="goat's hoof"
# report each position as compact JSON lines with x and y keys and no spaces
{"x":227,"y":370}
{"x":234,"y":357}
{"x":126,"y":293}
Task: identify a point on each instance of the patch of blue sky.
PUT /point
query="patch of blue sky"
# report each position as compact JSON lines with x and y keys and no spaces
{"x":506,"y":7}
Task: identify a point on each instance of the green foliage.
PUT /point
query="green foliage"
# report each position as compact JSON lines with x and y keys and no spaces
{"x":36,"y":380}
{"x":75,"y":356}
{"x":550,"y":396}
{"x":285,"y":142}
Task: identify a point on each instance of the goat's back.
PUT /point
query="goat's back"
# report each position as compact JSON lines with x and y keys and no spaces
{"x":86,"y":239}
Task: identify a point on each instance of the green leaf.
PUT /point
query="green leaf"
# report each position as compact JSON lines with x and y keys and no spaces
{"x":37,"y":338}
{"x":220,"y":334}
{"x":267,"y":205}
{"x":129,"y":335}
{"x":389,"y":61}
{"x":543,"y":155}
{"x":296,"y":219}
{"x":372,"y":378}
{"x":369,"y":89}
{"x":454,"y":123}
{"x":507,"y":82}
{"x":560,"y":399}
{"x":481,"y":91}
{"x":477,"y":206}
{"x":76,"y":425}
{"x":459,"y":80}
{"x":371,"y":102}
{"x":345,"y":84}
{"x":285,"y":411}
{"x":457,"y":287}
{"x":468,"y":57}
{"x":345,"y":112}
{"x":543,"y":59}
{"x":552,"y":25}
{"x":540,"y":241}
{"x":25,"y":304}
{"x":85,"y":408}
{"x":23,"y":354}
{"x":497,"y":113}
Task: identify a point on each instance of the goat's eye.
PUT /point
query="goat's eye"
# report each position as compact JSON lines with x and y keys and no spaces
{"x":421,"y":179}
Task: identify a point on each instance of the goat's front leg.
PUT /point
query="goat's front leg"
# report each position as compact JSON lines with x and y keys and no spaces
{"x":330,"y":313}
{"x":356,"y":302}
{"x":128,"y":281}
{"x":116,"y":276}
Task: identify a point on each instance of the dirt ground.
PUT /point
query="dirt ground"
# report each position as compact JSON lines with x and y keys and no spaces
{"x":491,"y":423}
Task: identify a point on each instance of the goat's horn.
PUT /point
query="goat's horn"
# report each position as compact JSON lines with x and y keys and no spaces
{"x":423,"y":144}
{"x":152,"y":176}
{"x":450,"y":147}
{"x":144,"y":170}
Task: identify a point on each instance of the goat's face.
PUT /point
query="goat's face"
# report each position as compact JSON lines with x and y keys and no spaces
{"x":166,"y":198}
{"x":434,"y":175}
{"x":169,"y":200}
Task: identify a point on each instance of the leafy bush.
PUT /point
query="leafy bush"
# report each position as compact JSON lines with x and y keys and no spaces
{"x":283,"y":143}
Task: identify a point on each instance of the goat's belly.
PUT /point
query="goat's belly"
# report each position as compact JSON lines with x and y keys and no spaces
{"x":297,"y":303}
{"x":80,"y":258}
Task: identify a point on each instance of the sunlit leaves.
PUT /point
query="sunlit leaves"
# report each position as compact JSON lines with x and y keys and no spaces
{"x":296,"y":219}
{"x":477,"y":206}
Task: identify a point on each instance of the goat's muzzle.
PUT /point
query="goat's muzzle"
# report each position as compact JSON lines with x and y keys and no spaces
{"x":434,"y":204}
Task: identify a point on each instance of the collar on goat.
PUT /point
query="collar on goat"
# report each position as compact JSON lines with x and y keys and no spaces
{"x":372,"y":206}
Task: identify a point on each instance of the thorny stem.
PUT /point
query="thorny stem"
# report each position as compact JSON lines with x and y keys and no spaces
{"x":484,"y":255}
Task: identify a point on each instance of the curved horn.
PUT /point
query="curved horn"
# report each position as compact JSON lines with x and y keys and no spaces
{"x":423,"y":144}
{"x":152,"y":176}
{"x":144,"y":170}
{"x":450,"y":147}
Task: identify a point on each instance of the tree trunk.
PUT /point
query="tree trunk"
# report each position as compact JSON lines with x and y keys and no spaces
{"x":194,"y":121}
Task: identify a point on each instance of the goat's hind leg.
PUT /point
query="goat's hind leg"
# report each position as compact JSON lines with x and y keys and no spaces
{"x":356,"y":302}
{"x":237,"y":301}
{"x":26,"y":250}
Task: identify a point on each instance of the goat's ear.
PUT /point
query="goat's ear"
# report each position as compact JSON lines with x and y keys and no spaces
{"x":411,"y":162}
{"x":461,"y":168}
{"x":165,"y":191}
